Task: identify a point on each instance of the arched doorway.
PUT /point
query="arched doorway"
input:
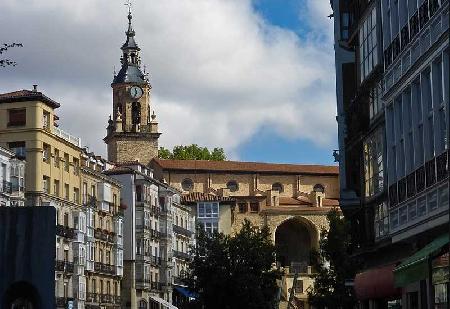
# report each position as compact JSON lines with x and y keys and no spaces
{"x":21,"y":295}
{"x":294,"y":239}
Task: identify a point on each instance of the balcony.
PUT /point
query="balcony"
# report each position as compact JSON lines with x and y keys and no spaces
{"x":181,"y":255}
{"x":178,"y":281}
{"x":106,"y":298}
{"x":65,"y":231}
{"x":62,"y":301}
{"x":92,"y":297}
{"x":144,"y":282}
{"x":67,"y":137}
{"x":156,"y":286}
{"x":117,"y":299}
{"x":5,"y":187}
{"x":104,"y":235}
{"x":64,"y":266}
{"x":442,"y":166}
{"x":182,"y":231}
{"x":104,"y":268}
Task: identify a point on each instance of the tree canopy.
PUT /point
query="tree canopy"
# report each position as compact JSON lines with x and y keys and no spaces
{"x":333,"y":265}
{"x":234,"y":272}
{"x":4,"y":62}
{"x":192,"y":152}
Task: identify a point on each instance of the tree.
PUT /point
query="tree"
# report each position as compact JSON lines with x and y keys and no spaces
{"x":192,"y":152}
{"x":234,"y":272}
{"x":4,"y":62}
{"x":333,"y":265}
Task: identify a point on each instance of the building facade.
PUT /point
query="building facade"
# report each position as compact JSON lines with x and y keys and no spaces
{"x":56,"y":171}
{"x":392,"y":70}
{"x":292,"y":200}
{"x":12,"y":179}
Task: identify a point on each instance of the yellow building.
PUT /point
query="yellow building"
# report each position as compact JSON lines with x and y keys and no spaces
{"x":58,"y":173}
{"x":292,"y":200}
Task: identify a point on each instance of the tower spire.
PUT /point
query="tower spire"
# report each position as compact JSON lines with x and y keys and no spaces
{"x":130,"y":71}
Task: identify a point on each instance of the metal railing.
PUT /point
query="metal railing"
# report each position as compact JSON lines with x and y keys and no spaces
{"x":104,"y":268}
{"x":5,"y":187}
{"x":181,"y":230}
{"x":64,"y":266}
{"x":181,"y":255}
{"x":65,"y":231}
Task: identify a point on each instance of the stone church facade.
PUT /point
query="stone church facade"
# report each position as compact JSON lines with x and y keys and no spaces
{"x":291,"y":199}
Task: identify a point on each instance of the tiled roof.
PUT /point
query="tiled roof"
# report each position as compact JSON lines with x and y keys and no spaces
{"x":249,"y":167}
{"x":204,"y":197}
{"x":27,"y":95}
{"x":294,"y":201}
{"x":328,"y":202}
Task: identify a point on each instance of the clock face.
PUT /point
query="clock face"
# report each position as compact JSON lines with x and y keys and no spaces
{"x":136,"y":92}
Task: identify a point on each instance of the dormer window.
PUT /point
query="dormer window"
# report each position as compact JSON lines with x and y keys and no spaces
{"x":319,"y":188}
{"x":233,"y":186}
{"x":277,"y":187}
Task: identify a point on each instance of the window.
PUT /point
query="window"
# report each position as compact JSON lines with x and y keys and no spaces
{"x":443,"y":196}
{"x":403,"y":215}
{"x":208,"y":210}
{"x":187,"y":184}
{"x":66,"y":162}
{"x":76,"y":195}
{"x":56,"y":188}
{"x":46,"y":153}
{"x":93,"y":190}
{"x":319,"y":188}
{"x":375,"y":102}
{"x":394,"y":219}
{"x":211,"y":227}
{"x":46,"y":184}
{"x":381,"y":220}
{"x":277,"y":187}
{"x":76,"y":166}
{"x":57,"y":159}
{"x":139,"y":193}
{"x":254,"y":207}
{"x":233,"y":186}
{"x":368,"y":54}
{"x":46,"y":120}
{"x":373,"y":164}
{"x":17,"y":117}
{"x":18,"y":148}
{"x":66,"y":191}
{"x":242,"y":208}
{"x":85,"y":195}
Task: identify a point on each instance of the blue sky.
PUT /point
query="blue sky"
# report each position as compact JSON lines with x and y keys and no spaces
{"x":255,"y":77}
{"x":267,"y":145}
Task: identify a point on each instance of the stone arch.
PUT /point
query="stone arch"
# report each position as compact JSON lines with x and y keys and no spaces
{"x":295,"y":238}
{"x":22,"y":294}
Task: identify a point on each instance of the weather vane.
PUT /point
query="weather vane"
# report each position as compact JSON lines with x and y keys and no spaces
{"x":129,"y":5}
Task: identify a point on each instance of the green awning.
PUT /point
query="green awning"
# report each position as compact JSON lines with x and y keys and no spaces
{"x":415,"y":268}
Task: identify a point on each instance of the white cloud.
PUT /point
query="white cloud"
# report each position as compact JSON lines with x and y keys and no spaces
{"x":219,"y":71}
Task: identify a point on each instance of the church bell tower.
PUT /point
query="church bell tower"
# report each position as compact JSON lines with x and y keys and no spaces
{"x":132,"y":133}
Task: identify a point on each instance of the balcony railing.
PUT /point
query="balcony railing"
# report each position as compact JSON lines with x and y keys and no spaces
{"x":61,"y":301}
{"x":5,"y":187}
{"x":65,"y":231}
{"x":178,"y":281}
{"x":181,"y":230}
{"x":181,"y":255}
{"x":92,"y":297}
{"x":433,"y":171}
{"x":68,"y":137}
{"x":117,"y":299}
{"x":104,"y":268}
{"x":64,"y":266}
{"x":106,"y":298}
{"x":104,"y":235}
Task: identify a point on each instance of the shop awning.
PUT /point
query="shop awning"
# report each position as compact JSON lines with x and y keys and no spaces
{"x":376,"y":283}
{"x":185,"y":292}
{"x":415,"y":268}
{"x":166,"y":305}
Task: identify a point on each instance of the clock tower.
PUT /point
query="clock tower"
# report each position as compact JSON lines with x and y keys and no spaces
{"x":132,"y":133}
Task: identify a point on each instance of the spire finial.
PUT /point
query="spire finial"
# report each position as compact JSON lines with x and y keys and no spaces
{"x":129,"y":5}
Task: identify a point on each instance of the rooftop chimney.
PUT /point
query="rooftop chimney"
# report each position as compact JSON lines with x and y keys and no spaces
{"x":35,"y":88}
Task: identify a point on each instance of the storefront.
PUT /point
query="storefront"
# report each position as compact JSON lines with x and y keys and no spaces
{"x":424,"y":276}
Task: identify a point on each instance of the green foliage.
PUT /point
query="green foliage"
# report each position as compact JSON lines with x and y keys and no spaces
{"x":4,"y":62}
{"x":333,"y":265}
{"x":234,"y":272}
{"x":192,"y":152}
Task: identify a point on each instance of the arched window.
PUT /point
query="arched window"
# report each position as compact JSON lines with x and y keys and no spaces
{"x":277,"y":187}
{"x":142,"y":304}
{"x":233,"y":186}
{"x":187,"y":184}
{"x":136,"y":112}
{"x":319,"y":188}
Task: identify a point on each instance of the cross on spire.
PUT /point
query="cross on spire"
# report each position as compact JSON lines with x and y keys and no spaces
{"x":129,"y":5}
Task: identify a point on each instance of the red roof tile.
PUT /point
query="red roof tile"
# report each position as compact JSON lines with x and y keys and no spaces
{"x":294,"y":201}
{"x":249,"y":167}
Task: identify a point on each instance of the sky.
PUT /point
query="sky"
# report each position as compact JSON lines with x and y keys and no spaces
{"x":255,"y":77}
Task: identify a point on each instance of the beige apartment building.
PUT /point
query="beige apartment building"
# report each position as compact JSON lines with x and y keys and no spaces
{"x":58,"y":173}
{"x":292,"y":200}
